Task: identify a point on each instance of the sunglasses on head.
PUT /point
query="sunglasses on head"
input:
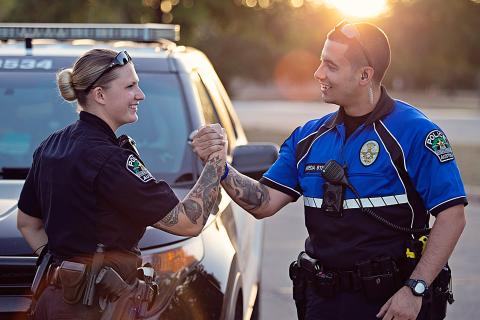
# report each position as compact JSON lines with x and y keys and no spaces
{"x":121,"y":59}
{"x":351,"y":32}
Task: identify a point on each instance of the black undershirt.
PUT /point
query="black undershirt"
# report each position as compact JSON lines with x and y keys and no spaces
{"x":352,"y":123}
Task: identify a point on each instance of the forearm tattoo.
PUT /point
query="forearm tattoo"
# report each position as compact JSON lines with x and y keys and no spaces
{"x":248,"y":193}
{"x":203,"y":196}
{"x":171,"y":218}
{"x":193,"y":210}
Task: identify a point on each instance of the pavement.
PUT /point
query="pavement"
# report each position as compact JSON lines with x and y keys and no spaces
{"x":473,"y":193}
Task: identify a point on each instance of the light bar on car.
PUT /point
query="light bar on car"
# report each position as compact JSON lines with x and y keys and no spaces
{"x":150,"y":32}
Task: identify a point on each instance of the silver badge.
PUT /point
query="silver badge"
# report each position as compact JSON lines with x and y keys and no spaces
{"x":369,"y":152}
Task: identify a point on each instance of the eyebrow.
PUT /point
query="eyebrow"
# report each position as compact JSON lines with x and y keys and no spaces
{"x":330,"y":62}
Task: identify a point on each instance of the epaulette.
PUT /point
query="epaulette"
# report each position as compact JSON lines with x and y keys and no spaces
{"x":128,"y":143}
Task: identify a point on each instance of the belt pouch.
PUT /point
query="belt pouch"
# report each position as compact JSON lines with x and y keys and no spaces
{"x":440,"y":294}
{"x":378,"y":279}
{"x":125,"y":307}
{"x":325,"y":283}
{"x":298,"y":280}
{"x":73,"y":279}
{"x":379,"y":287}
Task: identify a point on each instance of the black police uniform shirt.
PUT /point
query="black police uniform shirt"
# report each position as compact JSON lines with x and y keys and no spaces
{"x":401,"y":164}
{"x":88,"y":190}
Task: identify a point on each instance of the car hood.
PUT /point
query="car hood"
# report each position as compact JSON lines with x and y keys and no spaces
{"x":13,"y":244}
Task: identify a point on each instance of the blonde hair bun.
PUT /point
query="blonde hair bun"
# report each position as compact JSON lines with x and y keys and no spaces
{"x":65,"y":84}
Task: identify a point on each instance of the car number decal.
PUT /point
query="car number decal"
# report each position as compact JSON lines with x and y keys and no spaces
{"x":25,"y":64}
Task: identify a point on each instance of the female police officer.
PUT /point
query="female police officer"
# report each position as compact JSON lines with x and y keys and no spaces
{"x":84,"y":188}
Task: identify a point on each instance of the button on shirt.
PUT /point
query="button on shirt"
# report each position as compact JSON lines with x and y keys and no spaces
{"x":88,"y":190}
{"x":401,"y":164}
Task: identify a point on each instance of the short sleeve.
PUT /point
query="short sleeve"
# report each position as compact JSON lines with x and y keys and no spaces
{"x":434,"y":171}
{"x":283,"y":174}
{"x":28,"y":201}
{"x":128,"y":186}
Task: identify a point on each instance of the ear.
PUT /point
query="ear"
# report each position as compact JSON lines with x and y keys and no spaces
{"x":98,"y":95}
{"x":366,"y":75}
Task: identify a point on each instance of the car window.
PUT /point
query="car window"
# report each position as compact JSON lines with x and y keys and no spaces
{"x":209,"y":111}
{"x":220,"y":108}
{"x":32,"y":109}
{"x":161,"y":133}
{"x":223,"y":97}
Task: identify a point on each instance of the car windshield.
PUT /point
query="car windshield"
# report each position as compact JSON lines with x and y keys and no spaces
{"x":32,"y":108}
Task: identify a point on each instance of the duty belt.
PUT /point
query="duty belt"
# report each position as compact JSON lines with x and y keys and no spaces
{"x":344,"y":280}
{"x":377,"y":278}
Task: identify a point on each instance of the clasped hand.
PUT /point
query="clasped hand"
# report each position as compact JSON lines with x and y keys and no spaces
{"x":209,"y":140}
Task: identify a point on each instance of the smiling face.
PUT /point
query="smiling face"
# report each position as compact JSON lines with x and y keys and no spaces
{"x":121,"y":97}
{"x":337,"y":76}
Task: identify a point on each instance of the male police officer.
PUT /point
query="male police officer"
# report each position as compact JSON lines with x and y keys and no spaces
{"x":399,"y":169}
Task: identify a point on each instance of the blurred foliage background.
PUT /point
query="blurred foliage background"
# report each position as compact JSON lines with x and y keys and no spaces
{"x":435,"y":43}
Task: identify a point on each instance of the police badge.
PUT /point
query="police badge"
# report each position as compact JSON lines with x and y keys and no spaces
{"x":369,"y":152}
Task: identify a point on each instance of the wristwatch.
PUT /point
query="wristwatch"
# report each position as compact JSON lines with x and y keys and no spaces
{"x":419,"y":287}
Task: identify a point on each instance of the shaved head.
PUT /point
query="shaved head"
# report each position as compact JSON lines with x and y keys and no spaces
{"x":375,"y":44}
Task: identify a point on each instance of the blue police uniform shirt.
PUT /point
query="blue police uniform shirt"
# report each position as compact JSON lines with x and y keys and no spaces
{"x":401,"y":164}
{"x":89,"y":190}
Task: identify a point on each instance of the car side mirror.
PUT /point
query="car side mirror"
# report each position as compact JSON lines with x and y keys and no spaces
{"x":254,"y":159}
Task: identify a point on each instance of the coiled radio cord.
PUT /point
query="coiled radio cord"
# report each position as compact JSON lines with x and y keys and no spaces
{"x":334,"y":173}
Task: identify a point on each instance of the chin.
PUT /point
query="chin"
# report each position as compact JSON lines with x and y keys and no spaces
{"x":133,"y":117}
{"x":328,"y":99}
{"x":130,"y":119}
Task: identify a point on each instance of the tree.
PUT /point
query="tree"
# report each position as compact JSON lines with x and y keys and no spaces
{"x":434,"y":43}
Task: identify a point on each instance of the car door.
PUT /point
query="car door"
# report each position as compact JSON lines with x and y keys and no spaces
{"x":248,"y":229}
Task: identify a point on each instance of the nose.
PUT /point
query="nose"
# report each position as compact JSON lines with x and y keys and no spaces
{"x":140,"y":95}
{"x":319,"y":75}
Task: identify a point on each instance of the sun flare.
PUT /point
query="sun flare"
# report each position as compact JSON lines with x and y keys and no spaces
{"x":359,"y":8}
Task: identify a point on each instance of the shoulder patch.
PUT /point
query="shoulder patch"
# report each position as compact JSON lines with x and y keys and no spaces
{"x":138,"y":169}
{"x":436,"y":141}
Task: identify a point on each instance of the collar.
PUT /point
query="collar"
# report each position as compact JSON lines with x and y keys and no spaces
{"x":384,"y":106}
{"x":97,"y":123}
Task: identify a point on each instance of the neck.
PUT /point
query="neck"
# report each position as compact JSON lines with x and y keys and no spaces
{"x":98,"y":111}
{"x":363,"y":104}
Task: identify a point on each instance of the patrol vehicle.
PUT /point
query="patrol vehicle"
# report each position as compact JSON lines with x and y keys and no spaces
{"x":213,"y":276}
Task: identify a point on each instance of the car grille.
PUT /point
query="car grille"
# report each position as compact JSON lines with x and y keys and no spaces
{"x":16,"y":275}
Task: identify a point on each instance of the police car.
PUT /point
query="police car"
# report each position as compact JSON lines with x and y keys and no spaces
{"x":213,"y":276}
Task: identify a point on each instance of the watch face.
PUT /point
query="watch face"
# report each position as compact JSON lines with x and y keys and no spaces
{"x":419,"y":288}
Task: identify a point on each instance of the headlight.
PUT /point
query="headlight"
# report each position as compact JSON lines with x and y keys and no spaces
{"x":171,"y":265}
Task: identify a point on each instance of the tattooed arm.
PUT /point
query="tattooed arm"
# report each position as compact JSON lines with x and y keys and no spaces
{"x":258,"y":199}
{"x":191,"y":214}
{"x":261,"y":201}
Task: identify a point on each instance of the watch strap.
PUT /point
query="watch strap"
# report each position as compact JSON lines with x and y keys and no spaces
{"x":412,"y":283}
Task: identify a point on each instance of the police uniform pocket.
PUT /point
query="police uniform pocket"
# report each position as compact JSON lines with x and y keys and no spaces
{"x":73,"y":279}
